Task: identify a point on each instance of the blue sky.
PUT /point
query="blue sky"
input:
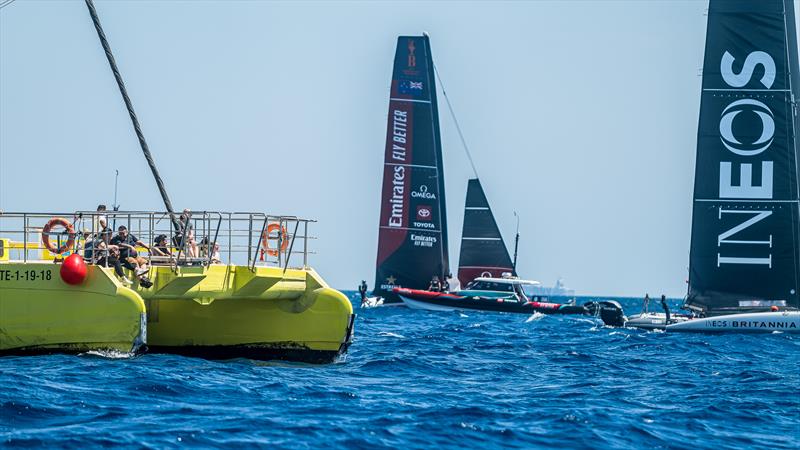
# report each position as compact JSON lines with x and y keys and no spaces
{"x":581,"y":116}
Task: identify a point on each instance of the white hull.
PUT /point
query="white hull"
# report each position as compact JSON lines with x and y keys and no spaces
{"x":652,"y":321}
{"x":414,"y":304}
{"x":763,"y":322}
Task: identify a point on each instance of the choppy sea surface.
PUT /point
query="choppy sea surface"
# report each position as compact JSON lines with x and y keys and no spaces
{"x":427,"y":380}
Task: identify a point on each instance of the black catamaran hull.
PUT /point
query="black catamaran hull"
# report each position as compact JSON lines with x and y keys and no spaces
{"x":609,"y":311}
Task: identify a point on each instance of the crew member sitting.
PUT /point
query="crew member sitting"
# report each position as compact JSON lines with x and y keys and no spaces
{"x":127,"y":248}
{"x":160,"y":247}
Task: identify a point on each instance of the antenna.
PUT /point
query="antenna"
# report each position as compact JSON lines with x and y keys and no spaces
{"x":516,"y":245}
{"x":116,"y":183}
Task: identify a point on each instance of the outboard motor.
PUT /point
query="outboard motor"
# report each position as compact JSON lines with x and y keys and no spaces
{"x":609,"y":311}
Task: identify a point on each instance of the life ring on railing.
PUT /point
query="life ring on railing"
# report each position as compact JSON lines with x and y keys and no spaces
{"x":265,"y":239}
{"x":46,"y":235}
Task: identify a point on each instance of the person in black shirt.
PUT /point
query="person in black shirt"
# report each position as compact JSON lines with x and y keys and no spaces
{"x":160,"y":247}
{"x":362,"y":290}
{"x":127,"y":249}
{"x":436,"y":285}
{"x":109,"y":256}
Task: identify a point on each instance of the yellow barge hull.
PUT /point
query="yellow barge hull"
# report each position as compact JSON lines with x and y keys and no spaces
{"x":216,"y":311}
{"x":223,"y":311}
{"x":39,"y":313}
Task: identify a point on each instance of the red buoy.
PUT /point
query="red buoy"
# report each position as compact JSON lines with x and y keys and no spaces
{"x":73,"y":269}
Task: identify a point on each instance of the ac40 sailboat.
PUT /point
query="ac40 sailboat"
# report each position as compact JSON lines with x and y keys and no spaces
{"x":412,"y":237}
{"x":744,"y":264}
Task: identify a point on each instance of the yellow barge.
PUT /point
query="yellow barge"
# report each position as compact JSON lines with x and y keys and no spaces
{"x":263,"y":307}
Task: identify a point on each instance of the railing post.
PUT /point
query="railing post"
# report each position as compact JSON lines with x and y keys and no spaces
{"x":249,"y":238}
{"x":305,"y":244}
{"x":24,"y":238}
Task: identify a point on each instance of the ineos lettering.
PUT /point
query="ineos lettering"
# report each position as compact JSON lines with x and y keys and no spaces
{"x":741,"y":79}
{"x":746,"y":188}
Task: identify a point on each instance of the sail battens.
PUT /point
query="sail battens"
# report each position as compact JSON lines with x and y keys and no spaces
{"x":481,"y":238}
{"x":412,"y":233}
{"x":426,"y":230}
{"x":411,"y":165}
{"x":743,"y":200}
{"x":477,"y":208}
{"x":745,"y":241}
{"x":394,"y":99}
{"x":745,"y":90}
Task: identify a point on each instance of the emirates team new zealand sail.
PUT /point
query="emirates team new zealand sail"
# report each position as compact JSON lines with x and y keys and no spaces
{"x":412,"y":238}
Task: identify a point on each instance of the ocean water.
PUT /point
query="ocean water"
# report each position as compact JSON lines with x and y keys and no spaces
{"x":421,"y":379}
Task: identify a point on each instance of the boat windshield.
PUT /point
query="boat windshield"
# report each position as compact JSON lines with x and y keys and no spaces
{"x":490,"y":286}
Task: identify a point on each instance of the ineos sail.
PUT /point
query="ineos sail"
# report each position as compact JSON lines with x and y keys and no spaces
{"x":745,"y":246}
{"x":412,"y":240}
{"x":483,"y":252}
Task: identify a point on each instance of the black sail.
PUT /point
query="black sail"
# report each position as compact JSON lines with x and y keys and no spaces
{"x":483,"y":251}
{"x":745,"y":246}
{"x":412,"y":238}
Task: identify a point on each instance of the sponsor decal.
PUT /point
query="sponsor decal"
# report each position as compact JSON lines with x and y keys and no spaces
{"x":752,"y":324}
{"x":753,"y":148}
{"x":425,"y":217}
{"x":412,"y":58}
{"x":423,"y":193}
{"x":423,"y":241}
{"x":398,"y":189}
{"x":390,"y":283}
{"x":424,"y":212}
{"x":409,"y":87}
{"x":399,"y":135}
{"x":732,"y":142}
{"x":399,"y":177}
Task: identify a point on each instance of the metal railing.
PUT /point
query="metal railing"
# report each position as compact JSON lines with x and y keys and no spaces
{"x":204,"y":238}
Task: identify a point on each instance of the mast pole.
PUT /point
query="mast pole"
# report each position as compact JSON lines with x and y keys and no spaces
{"x":132,"y":113}
{"x":516,"y":246}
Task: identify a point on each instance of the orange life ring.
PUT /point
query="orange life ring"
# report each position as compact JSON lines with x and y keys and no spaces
{"x":46,"y":235}
{"x":265,"y":238}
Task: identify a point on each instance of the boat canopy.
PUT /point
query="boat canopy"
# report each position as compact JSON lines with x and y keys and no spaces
{"x":508,"y":280}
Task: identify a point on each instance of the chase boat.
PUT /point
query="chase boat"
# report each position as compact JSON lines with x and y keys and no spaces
{"x":505,"y":294}
{"x":58,"y":296}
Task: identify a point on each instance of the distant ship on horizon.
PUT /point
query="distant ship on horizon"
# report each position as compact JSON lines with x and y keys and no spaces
{"x":558,"y":290}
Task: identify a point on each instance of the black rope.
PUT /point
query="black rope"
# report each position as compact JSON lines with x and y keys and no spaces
{"x":129,"y":105}
{"x":455,"y":120}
